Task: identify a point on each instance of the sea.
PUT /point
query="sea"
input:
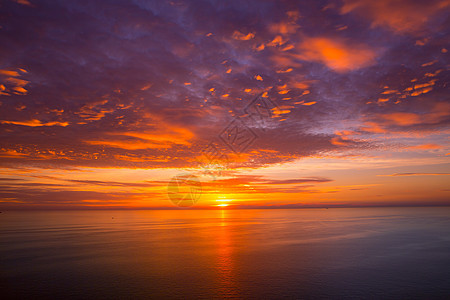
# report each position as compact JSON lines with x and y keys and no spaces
{"x":336,"y":253}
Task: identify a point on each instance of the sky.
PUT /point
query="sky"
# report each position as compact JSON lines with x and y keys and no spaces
{"x":214,"y":104}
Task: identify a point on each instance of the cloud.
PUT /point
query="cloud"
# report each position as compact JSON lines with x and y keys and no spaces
{"x":402,"y":118}
{"x":406,"y":121}
{"x":10,"y":84}
{"x":243,"y":37}
{"x":24,"y":2}
{"x":299,"y":180}
{"x":416,"y":174}
{"x":402,"y":16}
{"x":337,"y":54}
{"x":141,"y":85}
{"x":158,"y":138}
{"x":94,"y":111}
{"x":426,"y":147}
{"x":129,"y":144}
{"x":108,"y":89}
{"x":115,"y":183}
{"x":251,"y":184}
{"x":35,"y":123}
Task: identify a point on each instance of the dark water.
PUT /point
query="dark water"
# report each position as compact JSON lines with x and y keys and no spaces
{"x":375,"y":253}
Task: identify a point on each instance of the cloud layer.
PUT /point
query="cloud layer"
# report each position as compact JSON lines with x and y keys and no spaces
{"x":150,"y":84}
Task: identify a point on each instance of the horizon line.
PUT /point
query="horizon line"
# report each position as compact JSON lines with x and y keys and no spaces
{"x":211,"y":208}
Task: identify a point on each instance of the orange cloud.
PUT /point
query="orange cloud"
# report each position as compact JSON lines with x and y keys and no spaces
{"x":426,"y":147}
{"x":129,"y":145}
{"x":94,"y":111}
{"x":437,"y":114}
{"x":402,"y":118}
{"x":259,"y":48}
{"x":11,"y":153}
{"x":243,"y":37}
{"x":338,"y":141}
{"x":24,"y":2}
{"x":146,"y":87}
{"x":11,"y":84}
{"x":35,"y":123}
{"x":288,"y":47}
{"x":342,"y":139}
{"x":9,"y":73}
{"x":422,"y":91}
{"x":336,"y":54}
{"x":277,"y":41}
{"x":440,"y":112}
{"x":163,"y":138}
{"x":303,"y":85}
{"x":175,"y":135}
{"x":285,"y":71}
{"x":402,"y":16}
{"x":373,"y":127}
{"x":286,"y":60}
{"x":284,"y":28}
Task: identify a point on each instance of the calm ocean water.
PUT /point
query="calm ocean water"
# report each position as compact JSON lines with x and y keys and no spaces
{"x":374,"y":253}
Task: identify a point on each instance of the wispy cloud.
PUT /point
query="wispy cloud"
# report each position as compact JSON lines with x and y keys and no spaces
{"x":35,"y":123}
{"x":416,"y":174}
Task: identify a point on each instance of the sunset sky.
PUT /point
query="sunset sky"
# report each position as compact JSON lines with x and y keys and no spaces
{"x":104,"y":103}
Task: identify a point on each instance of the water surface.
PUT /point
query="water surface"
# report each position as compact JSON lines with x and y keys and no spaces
{"x":387,"y":253}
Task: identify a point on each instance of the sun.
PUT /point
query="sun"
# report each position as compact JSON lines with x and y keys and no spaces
{"x":222,"y":199}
